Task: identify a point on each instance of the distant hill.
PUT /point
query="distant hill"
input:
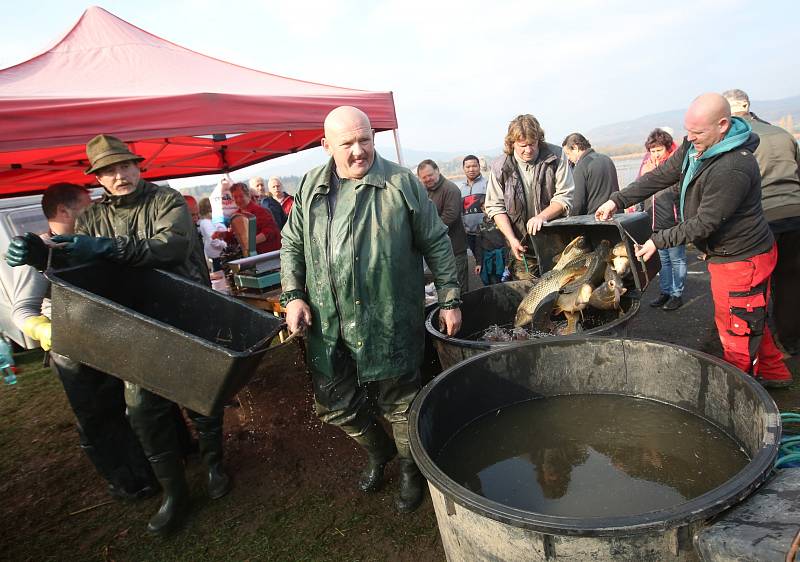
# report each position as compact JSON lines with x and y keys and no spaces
{"x":635,"y":131}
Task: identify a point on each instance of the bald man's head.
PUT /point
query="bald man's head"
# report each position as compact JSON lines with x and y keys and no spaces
{"x":707,"y":121}
{"x":349,"y":140}
{"x":345,"y":117}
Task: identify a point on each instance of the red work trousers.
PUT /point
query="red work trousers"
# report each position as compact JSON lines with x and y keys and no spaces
{"x":741,"y":292}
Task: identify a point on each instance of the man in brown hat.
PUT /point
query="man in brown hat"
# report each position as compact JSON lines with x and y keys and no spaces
{"x":141,"y":224}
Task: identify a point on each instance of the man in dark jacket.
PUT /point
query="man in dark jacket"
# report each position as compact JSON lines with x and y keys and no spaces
{"x":142,"y":224}
{"x":447,"y":198}
{"x":719,"y":205}
{"x":778,"y":156}
{"x":594,"y":174}
{"x":351,"y":272}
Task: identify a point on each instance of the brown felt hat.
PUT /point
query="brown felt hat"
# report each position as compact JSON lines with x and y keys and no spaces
{"x":104,"y":150}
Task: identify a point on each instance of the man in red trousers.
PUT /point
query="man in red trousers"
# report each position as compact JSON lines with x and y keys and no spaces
{"x":718,"y":186}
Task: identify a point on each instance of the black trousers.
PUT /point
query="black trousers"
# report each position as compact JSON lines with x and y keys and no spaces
{"x":97,"y":399}
{"x":785,"y":296}
{"x":153,"y":419}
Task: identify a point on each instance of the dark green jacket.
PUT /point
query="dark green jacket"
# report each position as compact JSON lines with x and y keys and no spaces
{"x":151,"y":227}
{"x":361,"y":272}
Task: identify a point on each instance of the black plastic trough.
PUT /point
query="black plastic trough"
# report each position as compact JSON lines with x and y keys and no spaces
{"x":176,"y":338}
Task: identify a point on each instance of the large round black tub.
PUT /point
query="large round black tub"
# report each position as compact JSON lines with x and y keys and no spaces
{"x":497,"y":304}
{"x":473,"y":527}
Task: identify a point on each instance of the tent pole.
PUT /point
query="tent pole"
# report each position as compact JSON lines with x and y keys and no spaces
{"x":400,"y":159}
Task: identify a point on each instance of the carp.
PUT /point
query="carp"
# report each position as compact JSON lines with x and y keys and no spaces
{"x":606,"y":296}
{"x":578,"y":247}
{"x":596,"y":262}
{"x":546,"y":290}
{"x":571,"y":304}
{"x":575,"y":301}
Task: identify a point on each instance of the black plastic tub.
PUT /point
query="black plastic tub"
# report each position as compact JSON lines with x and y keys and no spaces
{"x":475,"y":528}
{"x":176,"y":338}
{"x":497,"y":304}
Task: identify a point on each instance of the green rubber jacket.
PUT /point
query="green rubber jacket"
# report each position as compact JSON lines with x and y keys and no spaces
{"x":151,"y":227}
{"x":361,"y":272}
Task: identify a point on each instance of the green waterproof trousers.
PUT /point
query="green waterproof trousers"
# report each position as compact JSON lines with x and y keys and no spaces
{"x":354,"y":407}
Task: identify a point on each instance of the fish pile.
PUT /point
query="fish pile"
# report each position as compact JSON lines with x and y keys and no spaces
{"x":581,"y":277}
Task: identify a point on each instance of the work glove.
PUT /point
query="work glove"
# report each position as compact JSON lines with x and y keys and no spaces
{"x":39,"y":328}
{"x":80,"y":248}
{"x":28,"y":249}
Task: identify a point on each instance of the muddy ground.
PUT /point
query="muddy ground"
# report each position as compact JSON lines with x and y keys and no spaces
{"x":294,"y":495}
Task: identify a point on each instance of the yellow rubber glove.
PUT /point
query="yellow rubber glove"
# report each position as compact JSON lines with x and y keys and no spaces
{"x":30,"y":324}
{"x":38,"y":328}
{"x":44,"y":335}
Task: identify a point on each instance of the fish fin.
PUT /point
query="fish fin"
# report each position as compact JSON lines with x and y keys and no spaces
{"x":572,"y":323}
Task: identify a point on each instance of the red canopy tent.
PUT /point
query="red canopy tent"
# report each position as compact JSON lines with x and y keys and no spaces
{"x":184,"y":112}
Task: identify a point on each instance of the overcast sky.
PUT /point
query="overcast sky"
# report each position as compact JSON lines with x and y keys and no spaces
{"x":461,"y":70}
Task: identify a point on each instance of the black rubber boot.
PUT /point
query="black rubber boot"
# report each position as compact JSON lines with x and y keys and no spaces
{"x":380,"y":450}
{"x":219,"y":483}
{"x":125,"y":481}
{"x":170,"y":473}
{"x":412,"y":483}
{"x":412,"y":486}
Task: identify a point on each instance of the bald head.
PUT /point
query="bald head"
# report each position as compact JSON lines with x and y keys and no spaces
{"x":712,"y":106}
{"x":707,"y":121}
{"x":345,"y":117}
{"x":349,"y":140}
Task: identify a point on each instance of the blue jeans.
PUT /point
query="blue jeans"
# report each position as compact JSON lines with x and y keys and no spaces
{"x":672,"y":276}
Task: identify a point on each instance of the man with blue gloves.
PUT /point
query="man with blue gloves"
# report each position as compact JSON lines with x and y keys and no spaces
{"x":96,"y":399}
{"x":141,"y":224}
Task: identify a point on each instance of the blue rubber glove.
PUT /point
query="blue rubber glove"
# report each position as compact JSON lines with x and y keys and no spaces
{"x":80,"y":248}
{"x":28,"y":249}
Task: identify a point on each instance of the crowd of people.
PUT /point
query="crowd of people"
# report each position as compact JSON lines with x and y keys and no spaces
{"x":352,"y":241}
{"x":221,"y":219}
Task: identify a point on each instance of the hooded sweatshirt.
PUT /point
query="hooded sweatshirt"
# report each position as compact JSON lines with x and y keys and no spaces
{"x":736,"y":136}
